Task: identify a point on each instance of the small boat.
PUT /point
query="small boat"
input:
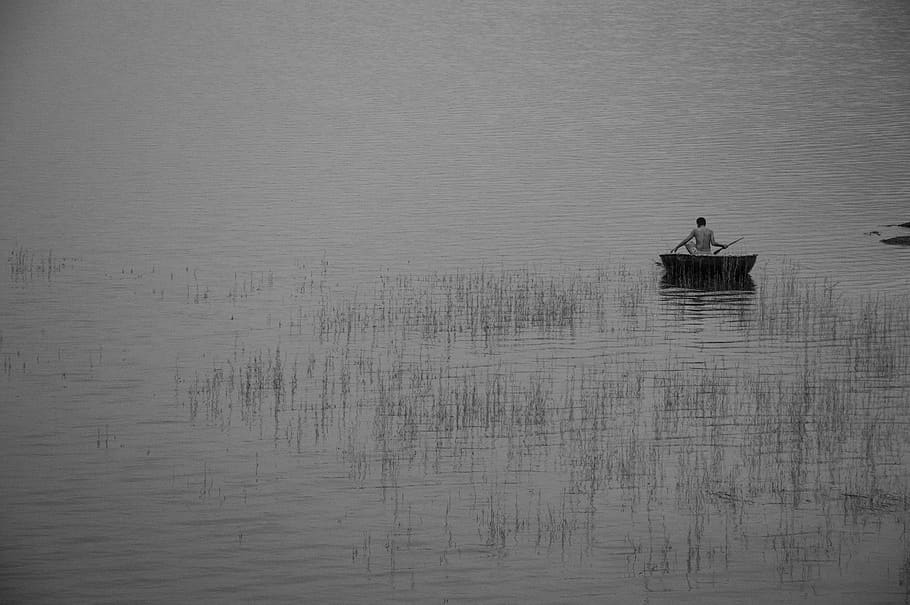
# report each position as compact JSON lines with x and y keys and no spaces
{"x":695,"y":269}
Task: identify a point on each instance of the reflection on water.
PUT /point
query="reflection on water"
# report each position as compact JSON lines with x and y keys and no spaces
{"x":687,"y":304}
{"x":671,"y":285}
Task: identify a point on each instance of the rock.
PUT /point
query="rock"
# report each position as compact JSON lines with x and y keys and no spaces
{"x":903,"y":240}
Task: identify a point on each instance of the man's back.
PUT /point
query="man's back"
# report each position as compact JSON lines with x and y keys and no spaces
{"x":703,"y":238}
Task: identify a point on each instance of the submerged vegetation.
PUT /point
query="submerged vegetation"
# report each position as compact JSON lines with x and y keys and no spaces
{"x":507,"y":390}
{"x":28,"y":264}
{"x":592,"y":416}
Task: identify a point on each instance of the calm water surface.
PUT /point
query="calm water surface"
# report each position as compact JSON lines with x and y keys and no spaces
{"x":342,"y":302}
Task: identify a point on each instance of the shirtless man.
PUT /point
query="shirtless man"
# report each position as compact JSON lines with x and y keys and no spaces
{"x":704,"y":239}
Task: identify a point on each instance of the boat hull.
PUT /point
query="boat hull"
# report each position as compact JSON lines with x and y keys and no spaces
{"x":689,"y":269}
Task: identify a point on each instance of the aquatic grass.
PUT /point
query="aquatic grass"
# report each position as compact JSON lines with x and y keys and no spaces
{"x":479,"y":304}
{"x":791,"y":305}
{"x":27,"y":264}
{"x":425,"y":383}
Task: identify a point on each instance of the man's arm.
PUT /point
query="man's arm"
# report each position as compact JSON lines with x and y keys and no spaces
{"x":683,"y":243}
{"x":714,"y":242}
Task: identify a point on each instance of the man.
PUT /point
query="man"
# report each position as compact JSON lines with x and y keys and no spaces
{"x":704,"y":239}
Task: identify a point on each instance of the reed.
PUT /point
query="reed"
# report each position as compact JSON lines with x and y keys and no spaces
{"x":26,"y":264}
{"x":473,"y":380}
{"x":479,"y":304}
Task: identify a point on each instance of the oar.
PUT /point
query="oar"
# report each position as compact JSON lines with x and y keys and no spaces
{"x":728,"y":245}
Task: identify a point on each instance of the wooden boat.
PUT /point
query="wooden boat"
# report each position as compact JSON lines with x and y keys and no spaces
{"x":714,"y":268}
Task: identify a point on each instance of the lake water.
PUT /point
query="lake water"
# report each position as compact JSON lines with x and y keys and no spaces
{"x":358,"y":302}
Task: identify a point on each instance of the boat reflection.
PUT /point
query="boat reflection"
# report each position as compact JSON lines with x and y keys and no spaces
{"x":700,"y":299}
{"x":698,"y":283}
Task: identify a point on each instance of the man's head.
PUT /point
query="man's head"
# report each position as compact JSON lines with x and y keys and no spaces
{"x":700,"y":222}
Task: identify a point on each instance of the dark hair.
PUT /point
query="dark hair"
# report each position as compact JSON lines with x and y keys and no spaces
{"x":700,"y":221}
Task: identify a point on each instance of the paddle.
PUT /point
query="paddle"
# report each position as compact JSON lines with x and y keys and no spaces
{"x":728,"y":245}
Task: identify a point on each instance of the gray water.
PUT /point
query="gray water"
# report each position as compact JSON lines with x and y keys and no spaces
{"x":196,"y":196}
